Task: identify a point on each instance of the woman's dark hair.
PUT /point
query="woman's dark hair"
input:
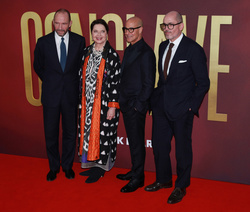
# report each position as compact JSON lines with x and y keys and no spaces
{"x":99,"y":21}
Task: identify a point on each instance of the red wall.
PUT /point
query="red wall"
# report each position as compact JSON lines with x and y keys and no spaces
{"x":221,"y":134}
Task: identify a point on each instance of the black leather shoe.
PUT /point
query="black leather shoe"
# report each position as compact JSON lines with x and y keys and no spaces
{"x":157,"y":186}
{"x":127,"y":176}
{"x":95,"y":175}
{"x":70,"y":174}
{"x":52,"y":175}
{"x":177,"y":195}
{"x":86,"y":173}
{"x":133,"y":185}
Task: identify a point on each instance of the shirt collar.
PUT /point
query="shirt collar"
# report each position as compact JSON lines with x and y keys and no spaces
{"x":177,"y":41}
{"x":59,"y":38}
{"x":137,"y":44}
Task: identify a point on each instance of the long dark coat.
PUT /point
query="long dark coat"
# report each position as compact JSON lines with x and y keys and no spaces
{"x":109,"y":98}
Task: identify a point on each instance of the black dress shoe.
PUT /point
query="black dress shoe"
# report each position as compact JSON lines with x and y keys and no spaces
{"x":127,"y":176}
{"x":70,"y":174}
{"x":156,"y":186}
{"x":96,"y":174}
{"x":52,"y":175}
{"x":86,"y":173}
{"x":133,"y":185}
{"x":177,"y":195}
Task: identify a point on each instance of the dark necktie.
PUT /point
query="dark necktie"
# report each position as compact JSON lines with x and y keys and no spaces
{"x":167,"y":60}
{"x":63,"y":54}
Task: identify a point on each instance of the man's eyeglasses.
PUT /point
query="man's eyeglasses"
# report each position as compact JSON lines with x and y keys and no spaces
{"x":131,"y":30}
{"x":170,"y":26}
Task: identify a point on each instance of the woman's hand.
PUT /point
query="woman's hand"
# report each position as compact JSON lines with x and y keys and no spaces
{"x":111,"y":113}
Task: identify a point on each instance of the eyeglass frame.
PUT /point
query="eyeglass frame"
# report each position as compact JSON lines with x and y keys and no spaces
{"x":173,"y":25}
{"x":131,"y":29}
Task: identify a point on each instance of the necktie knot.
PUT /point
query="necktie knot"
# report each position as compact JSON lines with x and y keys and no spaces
{"x":171,"y":45}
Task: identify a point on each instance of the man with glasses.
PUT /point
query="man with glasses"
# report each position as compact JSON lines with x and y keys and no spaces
{"x":137,"y":83}
{"x":183,"y":83}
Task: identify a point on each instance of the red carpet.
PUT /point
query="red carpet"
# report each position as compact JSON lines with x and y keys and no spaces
{"x":24,"y":187}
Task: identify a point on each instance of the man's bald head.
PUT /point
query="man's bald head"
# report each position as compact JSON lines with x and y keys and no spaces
{"x":173,"y":18}
{"x":176,"y":15}
{"x":136,"y":24}
{"x":136,"y":20}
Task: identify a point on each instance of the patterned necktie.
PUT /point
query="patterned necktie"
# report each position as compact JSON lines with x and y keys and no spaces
{"x":167,"y":60}
{"x":63,"y":54}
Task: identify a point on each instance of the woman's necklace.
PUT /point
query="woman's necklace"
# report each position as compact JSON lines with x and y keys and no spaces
{"x":97,"y":52}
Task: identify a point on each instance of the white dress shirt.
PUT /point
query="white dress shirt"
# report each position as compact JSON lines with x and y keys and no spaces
{"x":58,"y":40}
{"x":176,"y":44}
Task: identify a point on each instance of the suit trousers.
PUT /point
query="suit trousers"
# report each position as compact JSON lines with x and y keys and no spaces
{"x":68,"y":114}
{"x":134,"y":122}
{"x":163,"y":132}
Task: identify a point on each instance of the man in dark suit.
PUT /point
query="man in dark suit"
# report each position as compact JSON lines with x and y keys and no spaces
{"x":183,"y":83}
{"x":57,"y":60}
{"x":137,"y":83}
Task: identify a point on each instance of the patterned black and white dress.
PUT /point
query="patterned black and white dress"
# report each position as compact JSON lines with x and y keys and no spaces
{"x":109,"y":98}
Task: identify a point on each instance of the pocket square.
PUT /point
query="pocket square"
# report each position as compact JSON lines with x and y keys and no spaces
{"x":182,"y":61}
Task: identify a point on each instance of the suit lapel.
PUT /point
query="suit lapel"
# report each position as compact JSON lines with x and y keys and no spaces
{"x":53,"y":51}
{"x":162,"y":50}
{"x":177,"y":56}
{"x":71,"y":48}
{"x":131,"y":55}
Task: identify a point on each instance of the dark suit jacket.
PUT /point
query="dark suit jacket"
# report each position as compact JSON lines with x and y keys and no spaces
{"x":138,"y":77}
{"x":55,"y":82}
{"x":187,"y":82}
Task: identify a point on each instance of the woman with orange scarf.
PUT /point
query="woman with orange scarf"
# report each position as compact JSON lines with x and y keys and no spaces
{"x":99,"y":108}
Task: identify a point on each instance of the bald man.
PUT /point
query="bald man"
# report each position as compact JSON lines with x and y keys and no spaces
{"x":183,"y":83}
{"x":137,"y":83}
